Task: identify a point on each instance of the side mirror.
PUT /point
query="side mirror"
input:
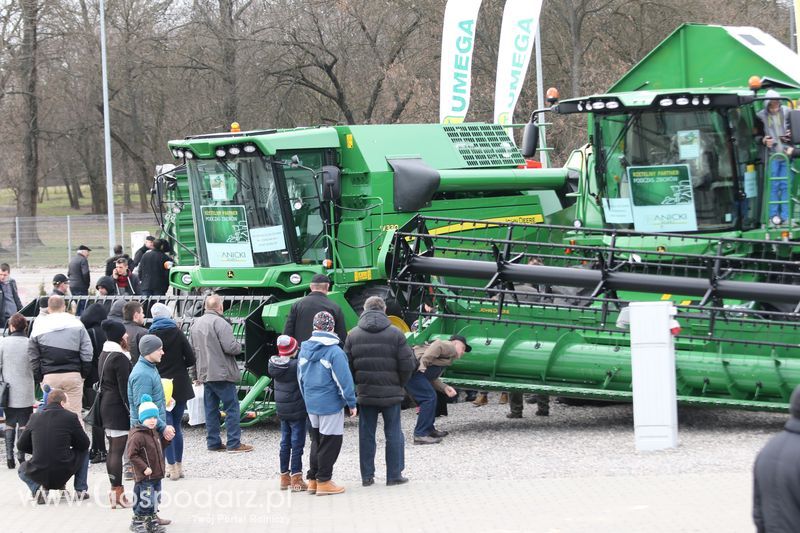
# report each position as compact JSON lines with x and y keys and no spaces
{"x":530,"y":139}
{"x":331,"y":183}
{"x":794,"y":125}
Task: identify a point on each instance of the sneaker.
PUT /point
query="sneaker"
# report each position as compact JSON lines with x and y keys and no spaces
{"x":137,"y":524}
{"x":437,"y":434}
{"x":399,"y":481}
{"x":98,"y":457}
{"x":368,"y":482}
{"x":80,"y":495}
{"x":514,"y":415}
{"x":242,"y":448}
{"x":427,"y":440}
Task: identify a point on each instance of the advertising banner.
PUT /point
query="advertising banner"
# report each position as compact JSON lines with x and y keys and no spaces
{"x":458,"y":43}
{"x":662,"y":198}
{"x":227,"y":236}
{"x":517,"y":35}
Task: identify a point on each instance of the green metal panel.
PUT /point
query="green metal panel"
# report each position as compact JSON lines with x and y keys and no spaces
{"x":697,"y":56}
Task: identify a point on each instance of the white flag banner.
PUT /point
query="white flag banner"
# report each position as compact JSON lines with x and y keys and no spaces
{"x":517,"y":35}
{"x":458,"y":42}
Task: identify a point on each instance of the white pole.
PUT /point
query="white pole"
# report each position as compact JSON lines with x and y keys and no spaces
{"x":69,"y":239}
{"x":540,"y":94}
{"x":107,"y":130}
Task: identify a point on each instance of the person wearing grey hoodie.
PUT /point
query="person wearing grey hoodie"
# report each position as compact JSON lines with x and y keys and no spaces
{"x":776,"y":478}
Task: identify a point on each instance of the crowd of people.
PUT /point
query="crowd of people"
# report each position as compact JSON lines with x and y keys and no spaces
{"x":321,"y":374}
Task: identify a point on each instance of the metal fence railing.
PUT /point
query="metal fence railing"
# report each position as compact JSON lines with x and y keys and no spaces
{"x":44,"y":242}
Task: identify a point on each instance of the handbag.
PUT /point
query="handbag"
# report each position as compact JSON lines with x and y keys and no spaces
{"x":5,"y":390}
{"x":93,"y":417}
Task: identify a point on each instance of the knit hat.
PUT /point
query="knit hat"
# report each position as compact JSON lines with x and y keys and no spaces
{"x":147,"y":409}
{"x":286,"y":345}
{"x":772,"y":94}
{"x":149,"y":344}
{"x":321,"y":278}
{"x":160,"y":310}
{"x":323,"y":321}
{"x":113,"y":329}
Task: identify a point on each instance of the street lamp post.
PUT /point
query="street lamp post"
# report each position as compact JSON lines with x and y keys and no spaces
{"x":107,"y":131}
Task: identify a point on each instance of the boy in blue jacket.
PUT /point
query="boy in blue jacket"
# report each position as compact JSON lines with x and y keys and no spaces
{"x":291,"y":411}
{"x":327,"y":387}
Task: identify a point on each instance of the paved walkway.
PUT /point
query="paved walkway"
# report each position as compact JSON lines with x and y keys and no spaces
{"x":685,"y":503}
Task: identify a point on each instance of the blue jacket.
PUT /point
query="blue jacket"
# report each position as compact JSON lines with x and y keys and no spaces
{"x":324,"y":375}
{"x":144,"y":379}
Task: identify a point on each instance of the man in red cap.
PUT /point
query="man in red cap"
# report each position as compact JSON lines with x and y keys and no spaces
{"x":291,"y":412}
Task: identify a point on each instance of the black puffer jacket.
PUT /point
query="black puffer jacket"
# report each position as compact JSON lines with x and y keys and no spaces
{"x":91,"y":318}
{"x":299,"y":323}
{"x":283,"y":371}
{"x":381,"y":359}
{"x":153,"y":273}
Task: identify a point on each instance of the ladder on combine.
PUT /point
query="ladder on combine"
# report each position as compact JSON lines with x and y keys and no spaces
{"x":784,"y":204}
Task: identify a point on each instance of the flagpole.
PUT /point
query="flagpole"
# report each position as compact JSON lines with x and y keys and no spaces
{"x":545,"y":155}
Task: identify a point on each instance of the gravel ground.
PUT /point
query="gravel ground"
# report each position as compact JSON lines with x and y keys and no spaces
{"x":584,"y":441}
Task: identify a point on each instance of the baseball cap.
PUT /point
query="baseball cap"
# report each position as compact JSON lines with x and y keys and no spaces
{"x":321,"y":278}
{"x":467,"y":347}
{"x":59,"y":279}
{"x":84,"y":247}
{"x":287,"y":345}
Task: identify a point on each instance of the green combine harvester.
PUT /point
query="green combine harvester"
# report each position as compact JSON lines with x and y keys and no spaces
{"x":669,"y":200}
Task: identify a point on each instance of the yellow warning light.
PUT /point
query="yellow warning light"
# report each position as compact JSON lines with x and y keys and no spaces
{"x":754,"y":83}
{"x":235,"y":127}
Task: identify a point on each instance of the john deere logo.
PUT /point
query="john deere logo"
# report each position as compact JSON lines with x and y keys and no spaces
{"x":230,"y":274}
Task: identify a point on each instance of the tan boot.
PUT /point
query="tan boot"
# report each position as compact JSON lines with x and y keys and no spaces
{"x":117,"y":498}
{"x":325,"y":488}
{"x":286,"y":481}
{"x":298,"y":485}
{"x":312,"y":486}
{"x":179,"y":468}
{"x":172,"y":472}
{"x":481,"y":400}
{"x":503,"y":398}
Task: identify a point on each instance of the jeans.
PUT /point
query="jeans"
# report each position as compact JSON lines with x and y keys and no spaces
{"x":81,"y":482}
{"x":32,"y":485}
{"x":420,"y":388}
{"x":146,"y":495}
{"x":395,"y":441}
{"x":224,"y":392}
{"x":293,"y":440}
{"x":82,"y":303}
{"x":174,"y":452}
{"x":779,"y":188}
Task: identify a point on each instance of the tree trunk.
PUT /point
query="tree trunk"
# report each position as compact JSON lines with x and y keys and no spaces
{"x":29,"y":188}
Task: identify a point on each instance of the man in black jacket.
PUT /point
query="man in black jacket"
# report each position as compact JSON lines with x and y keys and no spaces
{"x":776,"y":478}
{"x":153,"y":270}
{"x":382,"y":363}
{"x":149,"y":243}
{"x":58,"y":445}
{"x":299,"y":323}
